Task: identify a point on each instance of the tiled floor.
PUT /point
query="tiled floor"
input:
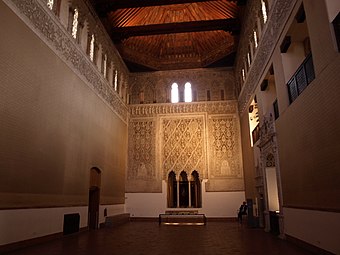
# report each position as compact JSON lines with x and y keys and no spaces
{"x":148,"y":238}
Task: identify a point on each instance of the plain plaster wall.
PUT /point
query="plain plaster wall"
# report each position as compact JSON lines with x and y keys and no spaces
{"x":214,"y":204}
{"x":319,"y":228}
{"x":23,"y":224}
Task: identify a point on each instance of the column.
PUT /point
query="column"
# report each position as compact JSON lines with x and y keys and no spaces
{"x":177,"y":192}
{"x":189,"y":193}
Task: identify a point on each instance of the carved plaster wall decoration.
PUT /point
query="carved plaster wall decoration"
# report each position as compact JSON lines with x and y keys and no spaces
{"x":278,"y":15}
{"x":182,"y":144}
{"x":48,"y":27}
{"x":142,"y":175}
{"x":142,"y":150}
{"x":225,"y":161}
{"x":201,"y":136}
{"x":223,"y":137}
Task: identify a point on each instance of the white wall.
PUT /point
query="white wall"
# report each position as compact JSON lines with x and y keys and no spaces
{"x":24,"y":224}
{"x":214,"y":204}
{"x":319,"y":228}
{"x":292,"y":59}
{"x":221,"y":204}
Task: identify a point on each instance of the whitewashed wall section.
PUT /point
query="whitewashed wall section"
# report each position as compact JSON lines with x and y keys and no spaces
{"x":187,"y":136}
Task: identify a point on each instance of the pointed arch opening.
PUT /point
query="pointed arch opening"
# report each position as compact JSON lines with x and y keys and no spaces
{"x":183,"y":190}
{"x":172,"y":190}
{"x":196,"y":191}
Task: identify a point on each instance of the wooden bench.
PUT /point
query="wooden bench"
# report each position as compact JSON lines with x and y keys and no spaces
{"x":182,"y":219}
{"x":181,"y":212}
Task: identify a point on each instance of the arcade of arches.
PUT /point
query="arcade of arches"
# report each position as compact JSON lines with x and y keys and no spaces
{"x":184,"y":191}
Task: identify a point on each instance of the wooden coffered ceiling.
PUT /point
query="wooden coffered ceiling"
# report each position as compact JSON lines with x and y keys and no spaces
{"x":172,"y":34}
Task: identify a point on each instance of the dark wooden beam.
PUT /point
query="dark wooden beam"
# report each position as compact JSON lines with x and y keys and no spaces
{"x":231,"y":25}
{"x":105,"y":6}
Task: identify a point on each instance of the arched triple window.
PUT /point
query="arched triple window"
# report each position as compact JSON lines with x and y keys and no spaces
{"x":184,"y":192}
{"x":174,"y":93}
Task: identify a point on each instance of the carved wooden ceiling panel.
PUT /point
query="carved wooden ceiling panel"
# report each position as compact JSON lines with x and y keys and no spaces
{"x":172,"y":34}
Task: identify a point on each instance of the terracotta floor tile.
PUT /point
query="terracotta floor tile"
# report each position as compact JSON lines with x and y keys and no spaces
{"x":148,"y":238}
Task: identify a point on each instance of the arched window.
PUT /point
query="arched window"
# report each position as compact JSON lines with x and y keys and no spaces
{"x":104,"y":65}
{"x":75,"y":23}
{"x":174,"y":93}
{"x":264,"y":11}
{"x":187,"y":92}
{"x":116,"y":80}
{"x":255,"y":39}
{"x":92,"y":47}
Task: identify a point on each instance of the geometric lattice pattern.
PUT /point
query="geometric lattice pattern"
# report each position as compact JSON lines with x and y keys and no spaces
{"x":183,"y":145}
{"x":224,"y":146}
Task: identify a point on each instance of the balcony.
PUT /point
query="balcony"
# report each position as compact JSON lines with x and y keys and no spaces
{"x":301,"y":78}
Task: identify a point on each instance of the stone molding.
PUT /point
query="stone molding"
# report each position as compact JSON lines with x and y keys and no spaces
{"x":277,"y":19}
{"x":36,"y":15}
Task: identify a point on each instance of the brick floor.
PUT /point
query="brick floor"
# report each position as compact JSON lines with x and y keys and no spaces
{"x":148,"y":238}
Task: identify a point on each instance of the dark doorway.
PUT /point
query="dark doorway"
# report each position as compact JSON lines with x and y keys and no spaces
{"x":94,"y":199}
{"x":93,"y":208}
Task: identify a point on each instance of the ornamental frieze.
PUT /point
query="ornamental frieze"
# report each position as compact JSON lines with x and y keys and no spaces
{"x":220,"y":107}
{"x":278,"y":16}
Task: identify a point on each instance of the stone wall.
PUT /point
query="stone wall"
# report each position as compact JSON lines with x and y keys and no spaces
{"x":156,"y":87}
